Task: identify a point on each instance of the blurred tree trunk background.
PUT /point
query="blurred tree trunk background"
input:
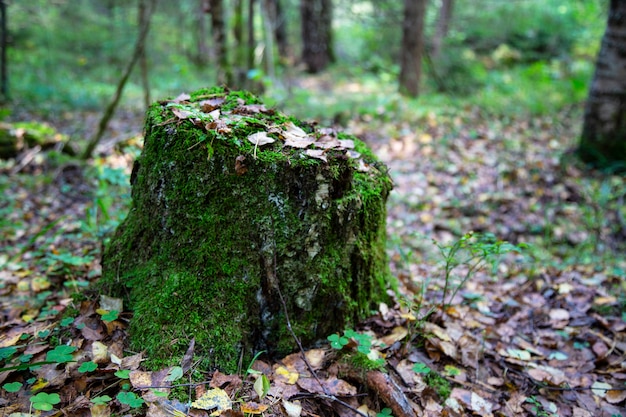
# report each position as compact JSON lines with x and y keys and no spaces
{"x":603,"y":140}
{"x":412,"y":47}
{"x":316,"y":23}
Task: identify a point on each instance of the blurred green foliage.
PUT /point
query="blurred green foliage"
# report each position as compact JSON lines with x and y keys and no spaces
{"x":533,"y":56}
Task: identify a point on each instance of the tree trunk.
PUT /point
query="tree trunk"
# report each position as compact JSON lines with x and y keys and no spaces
{"x":251,"y":37}
{"x":201,"y":41}
{"x":443,"y":26}
{"x":229,"y":234}
{"x":267,"y":13}
{"x":280,"y":27}
{"x":603,"y":139}
{"x":316,"y":34}
{"x":218,"y":27}
{"x":4,"y":83}
{"x":110,"y":110}
{"x":412,"y":47}
{"x":143,"y":59}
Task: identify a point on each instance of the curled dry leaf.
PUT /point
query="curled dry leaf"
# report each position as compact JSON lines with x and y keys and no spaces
{"x":295,"y":137}
{"x":211,"y":104}
{"x":181,"y":97}
{"x":316,"y":153}
{"x":293,"y":409}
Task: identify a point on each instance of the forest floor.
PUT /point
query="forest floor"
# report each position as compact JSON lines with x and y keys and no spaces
{"x":542,"y":331}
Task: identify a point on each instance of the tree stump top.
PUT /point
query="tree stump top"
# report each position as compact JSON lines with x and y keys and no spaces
{"x":241,"y":215}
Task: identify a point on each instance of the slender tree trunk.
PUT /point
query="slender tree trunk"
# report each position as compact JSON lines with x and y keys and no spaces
{"x":280,"y":27}
{"x":240,"y":63}
{"x":316,"y":18}
{"x":201,"y":44}
{"x":268,"y":34}
{"x":218,"y":26}
{"x":143,"y":60}
{"x":412,"y":47}
{"x":110,"y":110}
{"x":603,"y":139}
{"x":443,"y":26}
{"x":4,"y":83}
{"x":251,"y":37}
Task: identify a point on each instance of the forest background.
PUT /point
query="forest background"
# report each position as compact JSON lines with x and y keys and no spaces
{"x":485,"y":146}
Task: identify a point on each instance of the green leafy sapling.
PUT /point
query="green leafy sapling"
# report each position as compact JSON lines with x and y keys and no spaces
{"x":473,"y":251}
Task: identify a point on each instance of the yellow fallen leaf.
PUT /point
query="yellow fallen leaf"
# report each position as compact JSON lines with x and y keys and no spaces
{"x":213,"y":398}
{"x":39,"y":384}
{"x":287,"y":376}
{"x":253,"y":408}
{"x":397,"y":334}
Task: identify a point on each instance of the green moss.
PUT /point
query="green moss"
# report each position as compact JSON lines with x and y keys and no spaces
{"x":362,"y":362}
{"x":439,"y":384}
{"x":206,"y":245}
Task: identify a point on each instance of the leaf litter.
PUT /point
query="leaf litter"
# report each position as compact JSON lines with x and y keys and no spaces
{"x":540,"y":333}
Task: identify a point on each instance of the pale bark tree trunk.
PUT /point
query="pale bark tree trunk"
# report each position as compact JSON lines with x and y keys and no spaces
{"x":603,"y":139}
{"x":267,"y":12}
{"x":316,"y":34}
{"x":110,"y":110}
{"x":443,"y":26}
{"x":412,"y":47}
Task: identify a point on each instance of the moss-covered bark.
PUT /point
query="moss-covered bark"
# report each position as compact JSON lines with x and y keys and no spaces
{"x":221,"y":224}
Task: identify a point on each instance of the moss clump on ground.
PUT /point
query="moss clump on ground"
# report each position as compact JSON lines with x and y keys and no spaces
{"x":234,"y":205}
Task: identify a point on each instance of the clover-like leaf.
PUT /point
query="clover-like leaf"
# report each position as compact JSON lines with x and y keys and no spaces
{"x":87,"y":367}
{"x":129,"y":398}
{"x":421,"y":368}
{"x":60,"y":354}
{"x":12,"y":386}
{"x":110,"y":316}
{"x":44,"y":401}
{"x":103,"y":399}
{"x":122,"y":374}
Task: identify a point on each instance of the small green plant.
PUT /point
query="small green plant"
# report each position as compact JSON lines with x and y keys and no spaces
{"x":364,"y":357}
{"x":101,"y":400}
{"x":61,"y":354}
{"x":537,"y":408}
{"x":472,"y":251}
{"x":439,"y":384}
{"x":122,"y":374}
{"x":421,"y":368}
{"x":87,"y":367}
{"x":110,"y":316}
{"x":12,"y":386}
{"x":130,"y":399}
{"x":44,"y":401}
{"x":385,"y":412}
{"x":363,"y":341}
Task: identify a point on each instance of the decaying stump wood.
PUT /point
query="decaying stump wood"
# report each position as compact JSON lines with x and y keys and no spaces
{"x":234,"y":204}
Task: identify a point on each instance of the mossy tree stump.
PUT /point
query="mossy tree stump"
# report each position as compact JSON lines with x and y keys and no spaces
{"x":233,"y":205}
